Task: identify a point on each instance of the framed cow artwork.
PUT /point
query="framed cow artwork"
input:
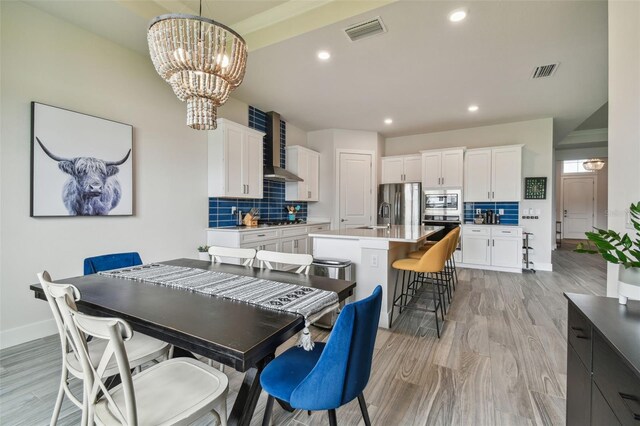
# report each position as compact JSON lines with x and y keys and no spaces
{"x":80,"y":165}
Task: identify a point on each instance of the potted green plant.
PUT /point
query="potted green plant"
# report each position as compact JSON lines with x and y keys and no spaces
{"x":203,"y":253}
{"x":622,"y":250}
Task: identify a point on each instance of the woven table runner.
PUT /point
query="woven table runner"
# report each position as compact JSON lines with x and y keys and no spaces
{"x":311,"y":303}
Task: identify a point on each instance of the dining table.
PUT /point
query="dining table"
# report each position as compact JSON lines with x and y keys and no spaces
{"x":240,"y":335}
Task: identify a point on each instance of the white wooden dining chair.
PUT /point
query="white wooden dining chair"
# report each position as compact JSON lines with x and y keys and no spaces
{"x":141,"y":348}
{"x":303,"y":261}
{"x":243,"y":254}
{"x":176,"y":391}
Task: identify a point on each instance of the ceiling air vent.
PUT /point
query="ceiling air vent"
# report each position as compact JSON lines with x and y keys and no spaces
{"x":544,"y":70}
{"x":365,"y":29}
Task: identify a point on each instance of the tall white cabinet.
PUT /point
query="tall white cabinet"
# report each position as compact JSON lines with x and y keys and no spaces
{"x":304,"y":163}
{"x":401,"y":169}
{"x":493,"y":174}
{"x":442,"y":168}
{"x":234,"y":161}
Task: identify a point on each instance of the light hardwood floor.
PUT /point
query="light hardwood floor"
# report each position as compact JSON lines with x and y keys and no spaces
{"x":500,"y":361}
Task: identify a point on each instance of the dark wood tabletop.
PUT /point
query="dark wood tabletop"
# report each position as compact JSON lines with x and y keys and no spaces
{"x":234,"y":333}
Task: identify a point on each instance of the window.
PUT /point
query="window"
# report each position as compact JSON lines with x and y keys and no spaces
{"x":574,"y":166}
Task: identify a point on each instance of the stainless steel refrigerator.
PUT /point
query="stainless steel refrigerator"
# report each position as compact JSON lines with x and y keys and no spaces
{"x":400,"y":204}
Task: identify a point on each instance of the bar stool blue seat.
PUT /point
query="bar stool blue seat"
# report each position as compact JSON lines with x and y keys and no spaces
{"x":331,"y":374}
{"x":107,"y":262}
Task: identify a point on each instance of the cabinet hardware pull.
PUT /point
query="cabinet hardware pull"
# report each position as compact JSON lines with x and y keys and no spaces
{"x":576,"y":328}
{"x":493,"y":194}
{"x":493,"y":243}
{"x":443,"y":181}
{"x":487,"y":243}
{"x":261,"y":235}
{"x":475,"y":230}
{"x":582,"y":337}
{"x":625,"y":397}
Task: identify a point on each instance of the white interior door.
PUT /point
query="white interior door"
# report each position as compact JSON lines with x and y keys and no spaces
{"x":354,"y":181}
{"x":578,"y":206}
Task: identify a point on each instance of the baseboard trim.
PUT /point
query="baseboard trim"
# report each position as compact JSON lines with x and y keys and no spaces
{"x":26,"y":333}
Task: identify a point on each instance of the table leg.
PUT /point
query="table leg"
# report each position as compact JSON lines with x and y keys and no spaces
{"x":248,"y":395}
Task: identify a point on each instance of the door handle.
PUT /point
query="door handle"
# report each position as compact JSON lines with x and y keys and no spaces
{"x":343,"y":220}
{"x":626,"y":397}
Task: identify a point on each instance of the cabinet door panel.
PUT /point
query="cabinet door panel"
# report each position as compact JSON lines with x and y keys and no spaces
{"x":392,"y":170}
{"x":234,"y":162}
{"x":578,"y":390}
{"x":475,"y":250}
{"x":303,"y":173}
{"x":477,"y":173}
{"x":413,"y":169}
{"x":314,"y":178}
{"x":254,"y":166}
{"x":431,"y":170}
{"x":452,"y":166}
{"x":506,"y":252}
{"x":601,"y":412}
{"x":506,"y":179}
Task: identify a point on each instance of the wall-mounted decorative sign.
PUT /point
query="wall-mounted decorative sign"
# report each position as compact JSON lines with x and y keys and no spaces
{"x":535,"y":188}
{"x":80,"y":165}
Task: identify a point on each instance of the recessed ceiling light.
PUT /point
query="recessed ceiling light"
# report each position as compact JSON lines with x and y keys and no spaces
{"x":388,"y":121}
{"x":458,"y":15}
{"x":473,"y":108}
{"x":324,"y":55}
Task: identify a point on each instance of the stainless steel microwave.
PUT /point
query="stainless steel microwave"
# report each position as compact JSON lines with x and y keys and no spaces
{"x":443,"y":202}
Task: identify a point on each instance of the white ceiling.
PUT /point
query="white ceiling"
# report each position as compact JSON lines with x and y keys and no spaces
{"x":423,"y":73}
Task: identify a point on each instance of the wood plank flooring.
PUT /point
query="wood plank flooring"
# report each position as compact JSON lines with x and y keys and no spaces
{"x":500,"y":361}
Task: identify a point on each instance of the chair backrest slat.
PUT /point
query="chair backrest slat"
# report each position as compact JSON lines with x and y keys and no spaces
{"x":245,"y":254}
{"x":303,"y":261}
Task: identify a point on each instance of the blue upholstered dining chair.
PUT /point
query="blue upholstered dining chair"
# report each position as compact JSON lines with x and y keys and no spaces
{"x":111,"y":261}
{"x":331,"y":374}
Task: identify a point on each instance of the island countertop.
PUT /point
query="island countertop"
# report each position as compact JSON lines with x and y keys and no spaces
{"x":395,"y":233}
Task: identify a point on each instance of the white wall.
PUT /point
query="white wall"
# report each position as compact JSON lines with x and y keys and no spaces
{"x":537,"y":161}
{"x":48,"y":60}
{"x":326,"y":142}
{"x":624,"y":111}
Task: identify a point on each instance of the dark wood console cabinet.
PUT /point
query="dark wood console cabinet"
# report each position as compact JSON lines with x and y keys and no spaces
{"x":603,"y":361}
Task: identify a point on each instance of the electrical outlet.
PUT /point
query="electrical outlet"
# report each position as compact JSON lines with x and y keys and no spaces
{"x":501,"y":212}
{"x":478,"y":211}
{"x":233,"y":210}
{"x":374,"y":261}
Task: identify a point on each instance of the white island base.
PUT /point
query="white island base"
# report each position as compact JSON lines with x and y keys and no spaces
{"x":372,"y":251}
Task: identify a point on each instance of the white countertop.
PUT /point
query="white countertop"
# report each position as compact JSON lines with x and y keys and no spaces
{"x":396,"y":233}
{"x":262,"y":228}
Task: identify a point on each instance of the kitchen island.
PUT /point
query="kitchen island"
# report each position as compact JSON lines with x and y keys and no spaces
{"x":372,"y":250}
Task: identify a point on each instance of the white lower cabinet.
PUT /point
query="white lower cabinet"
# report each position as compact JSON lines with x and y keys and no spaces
{"x":285,"y":239}
{"x":492,"y":247}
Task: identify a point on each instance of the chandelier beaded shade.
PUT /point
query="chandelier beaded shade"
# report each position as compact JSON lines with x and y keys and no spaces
{"x":593,"y":164}
{"x":201,"y":59}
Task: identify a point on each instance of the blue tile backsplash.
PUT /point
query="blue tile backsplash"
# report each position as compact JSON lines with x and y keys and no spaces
{"x":272,"y":205}
{"x":511,"y":211}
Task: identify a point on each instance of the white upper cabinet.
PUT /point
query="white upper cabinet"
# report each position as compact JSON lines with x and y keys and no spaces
{"x":412,"y":168}
{"x":442,"y":168}
{"x":305,"y":164}
{"x":234,"y":161}
{"x":493,"y":174}
{"x":401,"y":169}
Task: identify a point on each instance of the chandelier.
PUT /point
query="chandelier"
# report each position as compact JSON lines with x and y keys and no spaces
{"x":201,"y":59}
{"x":593,"y":164}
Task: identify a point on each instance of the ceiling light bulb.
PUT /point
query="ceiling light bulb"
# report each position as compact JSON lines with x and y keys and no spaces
{"x":458,"y":15}
{"x":324,"y":55}
{"x":388,"y":121}
{"x":473,"y":108}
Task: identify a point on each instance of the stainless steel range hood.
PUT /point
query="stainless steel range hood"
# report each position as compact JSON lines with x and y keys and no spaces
{"x":273,"y":171}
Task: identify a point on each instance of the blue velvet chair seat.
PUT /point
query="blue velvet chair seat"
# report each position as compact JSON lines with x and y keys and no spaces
{"x":288,"y":370}
{"x":107,"y":262}
{"x":332,"y":374}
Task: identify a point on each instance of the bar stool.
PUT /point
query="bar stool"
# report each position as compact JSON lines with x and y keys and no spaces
{"x":427,"y":270}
